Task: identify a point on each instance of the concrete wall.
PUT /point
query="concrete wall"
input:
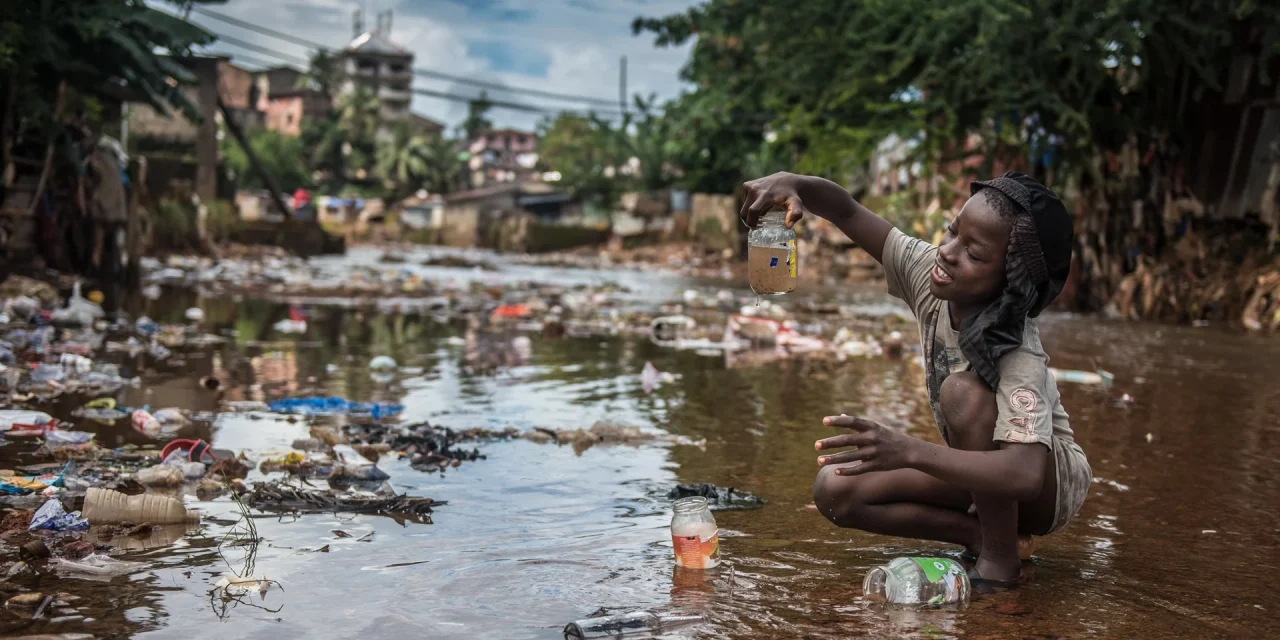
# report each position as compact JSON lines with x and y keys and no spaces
{"x":714,"y":220}
{"x":461,"y":223}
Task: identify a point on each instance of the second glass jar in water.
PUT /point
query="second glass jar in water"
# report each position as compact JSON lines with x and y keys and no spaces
{"x":694,"y":534}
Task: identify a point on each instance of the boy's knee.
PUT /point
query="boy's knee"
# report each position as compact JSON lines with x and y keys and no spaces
{"x":969,"y":408}
{"x":838,"y":498}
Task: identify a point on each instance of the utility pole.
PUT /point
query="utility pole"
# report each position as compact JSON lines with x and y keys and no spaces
{"x":622,"y":86}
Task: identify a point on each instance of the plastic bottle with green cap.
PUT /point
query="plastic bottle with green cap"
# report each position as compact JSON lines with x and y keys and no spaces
{"x":918,"y":581}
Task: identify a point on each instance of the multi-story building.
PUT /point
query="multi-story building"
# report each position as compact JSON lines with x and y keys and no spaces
{"x":372,"y":61}
{"x":503,"y":155}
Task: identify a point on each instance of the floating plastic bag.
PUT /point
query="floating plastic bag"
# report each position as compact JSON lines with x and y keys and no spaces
{"x":60,"y":438}
{"x":96,"y":564}
{"x":52,"y":517}
{"x":11,"y":417}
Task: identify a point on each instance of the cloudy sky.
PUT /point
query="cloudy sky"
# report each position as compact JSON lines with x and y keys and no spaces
{"x":560,"y":46}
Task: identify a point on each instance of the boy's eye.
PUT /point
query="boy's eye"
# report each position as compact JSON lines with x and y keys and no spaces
{"x":971,"y":256}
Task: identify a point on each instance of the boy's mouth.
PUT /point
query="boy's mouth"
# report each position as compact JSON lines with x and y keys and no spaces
{"x":939,"y":275}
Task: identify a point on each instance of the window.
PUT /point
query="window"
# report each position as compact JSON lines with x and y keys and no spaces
{"x":396,"y":67}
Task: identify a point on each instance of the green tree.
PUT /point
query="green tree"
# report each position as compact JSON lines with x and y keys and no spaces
{"x":282,"y":156}
{"x":345,"y":140}
{"x":587,"y":152}
{"x":477,"y":121}
{"x":402,"y":160}
{"x":50,"y":49}
{"x":322,"y":73}
{"x":444,"y":170}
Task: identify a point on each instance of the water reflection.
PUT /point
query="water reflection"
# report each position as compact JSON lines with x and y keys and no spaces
{"x":535,"y":535}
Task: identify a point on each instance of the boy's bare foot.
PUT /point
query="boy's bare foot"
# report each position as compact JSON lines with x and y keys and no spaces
{"x":1026,"y":548}
{"x":998,"y":570}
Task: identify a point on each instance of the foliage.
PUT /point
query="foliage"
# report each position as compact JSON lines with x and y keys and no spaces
{"x":281,"y":156}
{"x":586,"y":150}
{"x":402,"y":158}
{"x":90,"y":42}
{"x":344,"y":139}
{"x":477,"y":121}
{"x":322,"y":73}
{"x":835,"y":78}
{"x":444,"y":171}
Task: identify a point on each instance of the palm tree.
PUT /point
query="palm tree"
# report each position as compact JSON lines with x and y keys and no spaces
{"x":402,"y":159}
{"x":444,"y":168}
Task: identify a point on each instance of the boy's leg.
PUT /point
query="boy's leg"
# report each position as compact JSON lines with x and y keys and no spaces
{"x":904,"y":502}
{"x":969,"y":407}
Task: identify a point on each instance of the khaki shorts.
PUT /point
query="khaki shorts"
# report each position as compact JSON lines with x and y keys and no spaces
{"x":1074,"y":479}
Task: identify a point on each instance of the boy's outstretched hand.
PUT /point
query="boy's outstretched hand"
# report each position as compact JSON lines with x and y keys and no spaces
{"x":878,"y":448}
{"x":778,"y":191}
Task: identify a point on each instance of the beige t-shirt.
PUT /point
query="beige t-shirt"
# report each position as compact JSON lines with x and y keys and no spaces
{"x":1027,"y":397}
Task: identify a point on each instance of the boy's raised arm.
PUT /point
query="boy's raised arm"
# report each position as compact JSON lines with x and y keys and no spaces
{"x":798,"y":195}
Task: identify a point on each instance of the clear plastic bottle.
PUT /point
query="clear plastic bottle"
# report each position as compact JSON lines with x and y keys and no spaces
{"x":615,"y":626}
{"x":918,"y":581}
{"x":694,"y":534}
{"x":772,"y":256}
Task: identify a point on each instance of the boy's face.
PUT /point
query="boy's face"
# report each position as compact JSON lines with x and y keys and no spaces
{"x":969,"y":272}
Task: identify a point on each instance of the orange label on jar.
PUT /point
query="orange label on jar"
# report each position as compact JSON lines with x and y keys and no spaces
{"x":694,"y":552}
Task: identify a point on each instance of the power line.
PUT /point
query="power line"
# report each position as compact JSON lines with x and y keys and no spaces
{"x":259,"y":29}
{"x":429,"y":73}
{"x":502,"y":104}
{"x":260,"y":49}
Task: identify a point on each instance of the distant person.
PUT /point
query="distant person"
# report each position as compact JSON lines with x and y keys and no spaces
{"x":1010,"y":467}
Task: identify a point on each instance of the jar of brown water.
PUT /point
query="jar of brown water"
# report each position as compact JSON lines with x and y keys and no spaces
{"x":771,"y":256}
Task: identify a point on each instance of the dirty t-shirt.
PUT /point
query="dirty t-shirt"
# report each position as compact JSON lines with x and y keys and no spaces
{"x":1029,"y":409}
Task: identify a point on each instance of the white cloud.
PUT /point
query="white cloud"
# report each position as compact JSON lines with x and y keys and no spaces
{"x":582,"y":39}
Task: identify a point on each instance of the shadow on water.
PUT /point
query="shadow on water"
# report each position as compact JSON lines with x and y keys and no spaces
{"x":534,"y":535}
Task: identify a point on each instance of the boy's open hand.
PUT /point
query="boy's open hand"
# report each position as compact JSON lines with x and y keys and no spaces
{"x":878,"y":448}
{"x":778,"y":191}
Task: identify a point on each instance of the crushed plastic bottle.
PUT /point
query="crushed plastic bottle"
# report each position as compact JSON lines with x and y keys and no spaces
{"x":625,"y":623}
{"x":918,"y":581}
{"x":146,"y":424}
{"x":354,"y":466}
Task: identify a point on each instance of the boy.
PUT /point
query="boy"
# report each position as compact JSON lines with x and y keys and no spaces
{"x":1010,"y":465}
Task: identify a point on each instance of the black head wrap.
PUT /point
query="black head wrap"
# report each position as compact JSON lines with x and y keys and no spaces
{"x":1036,"y":268}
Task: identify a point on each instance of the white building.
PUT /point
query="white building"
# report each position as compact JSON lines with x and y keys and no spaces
{"x":372,"y":61}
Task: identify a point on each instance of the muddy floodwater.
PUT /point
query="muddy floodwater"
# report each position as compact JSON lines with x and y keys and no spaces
{"x":1178,"y":537}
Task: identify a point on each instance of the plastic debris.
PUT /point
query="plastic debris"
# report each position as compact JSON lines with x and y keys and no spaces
{"x":194,"y":314}
{"x":354,"y":466}
{"x":52,"y":517}
{"x":104,"y":506}
{"x":58,"y":437}
{"x":171,"y":418}
{"x":97,"y":565}
{"x":9,"y":418}
{"x":718,"y":498}
{"x":382,"y":363}
{"x":75,"y":364}
{"x":335,"y":405}
{"x":231,"y":585}
{"x":146,"y":424}
{"x":1098,"y":377}
{"x":161,"y":475}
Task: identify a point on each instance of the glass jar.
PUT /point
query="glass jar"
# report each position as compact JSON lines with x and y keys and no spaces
{"x":694,"y":534}
{"x":771,"y":256}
